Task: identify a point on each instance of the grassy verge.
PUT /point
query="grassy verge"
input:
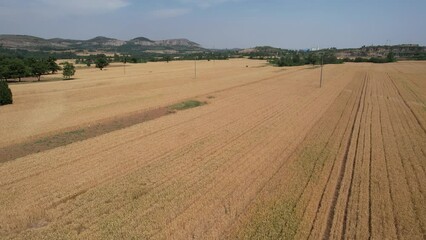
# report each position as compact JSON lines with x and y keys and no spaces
{"x":186,"y":105}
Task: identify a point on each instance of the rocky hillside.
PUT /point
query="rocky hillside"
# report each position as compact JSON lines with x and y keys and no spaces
{"x":96,"y":44}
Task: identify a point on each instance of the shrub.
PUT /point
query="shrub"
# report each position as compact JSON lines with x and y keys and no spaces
{"x":5,"y":93}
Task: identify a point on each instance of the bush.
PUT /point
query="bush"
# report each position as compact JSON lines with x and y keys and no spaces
{"x":5,"y":93}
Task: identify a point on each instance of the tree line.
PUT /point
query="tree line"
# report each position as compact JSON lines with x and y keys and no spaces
{"x":390,"y":57}
{"x":304,"y":58}
{"x":14,"y":67}
{"x":18,"y":67}
{"x":325,"y":57}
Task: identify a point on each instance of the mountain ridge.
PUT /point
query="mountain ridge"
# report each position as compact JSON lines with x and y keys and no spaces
{"x":28,"y":42}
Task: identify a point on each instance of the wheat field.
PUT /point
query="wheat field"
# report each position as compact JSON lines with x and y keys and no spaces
{"x":269,"y":156}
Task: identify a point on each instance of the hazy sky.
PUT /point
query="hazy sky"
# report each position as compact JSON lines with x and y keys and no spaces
{"x":223,"y":23}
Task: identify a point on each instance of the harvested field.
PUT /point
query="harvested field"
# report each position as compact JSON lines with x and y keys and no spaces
{"x":269,"y":156}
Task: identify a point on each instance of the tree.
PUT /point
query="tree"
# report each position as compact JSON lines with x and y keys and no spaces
{"x":69,"y":70}
{"x":5,"y":93}
{"x":38,"y":67}
{"x":16,"y":69}
{"x":117,"y":58}
{"x":3,"y":70}
{"x":390,"y":57}
{"x":52,"y":65}
{"x":101,"y":61}
{"x":296,"y":60}
{"x":167,"y":58}
{"x":312,"y":59}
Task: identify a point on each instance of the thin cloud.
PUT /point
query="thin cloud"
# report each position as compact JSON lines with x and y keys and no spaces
{"x":206,"y":3}
{"x":187,"y":7}
{"x":170,"y":13}
{"x":79,"y":7}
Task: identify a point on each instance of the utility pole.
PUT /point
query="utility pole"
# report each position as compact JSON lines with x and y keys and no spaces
{"x":125,"y":61}
{"x":195,"y":67}
{"x":322,"y":63}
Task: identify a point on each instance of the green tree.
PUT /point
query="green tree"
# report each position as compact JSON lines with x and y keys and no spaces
{"x":101,"y":61}
{"x":390,"y":57}
{"x":38,"y":67}
{"x":167,"y":58}
{"x":5,"y":93}
{"x":16,"y":69}
{"x":69,"y":70}
{"x":312,"y":59}
{"x":3,"y":70}
{"x":117,"y":58}
{"x":296,"y":60}
{"x":52,"y":65}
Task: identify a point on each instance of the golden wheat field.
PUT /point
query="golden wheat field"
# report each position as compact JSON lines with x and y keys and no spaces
{"x":270,"y":155}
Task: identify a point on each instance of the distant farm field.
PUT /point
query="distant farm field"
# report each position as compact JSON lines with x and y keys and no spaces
{"x":243,"y":150}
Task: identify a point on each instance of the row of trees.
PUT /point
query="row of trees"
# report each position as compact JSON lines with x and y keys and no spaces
{"x":17,"y":68}
{"x":144,"y":57}
{"x":298,"y":59}
{"x":390,"y":57}
{"x":326,"y":57}
{"x":101,"y":60}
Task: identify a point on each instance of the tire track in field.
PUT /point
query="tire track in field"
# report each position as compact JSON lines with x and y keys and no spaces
{"x":381,"y":210}
{"x":293,"y":157}
{"x":355,"y":158}
{"x":343,"y":166}
{"x":399,"y":182}
{"x":355,"y":221}
{"x":407,"y":105}
{"x":406,"y":156}
{"x":386,"y":161}
{"x":321,"y":155}
{"x":321,"y":200}
{"x":370,"y":194}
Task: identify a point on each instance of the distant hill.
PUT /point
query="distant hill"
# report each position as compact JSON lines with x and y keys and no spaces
{"x":99,"y":43}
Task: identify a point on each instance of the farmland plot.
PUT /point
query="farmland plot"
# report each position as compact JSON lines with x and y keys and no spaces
{"x":271,"y":155}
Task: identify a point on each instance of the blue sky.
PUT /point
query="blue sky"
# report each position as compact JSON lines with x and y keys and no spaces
{"x":290,"y":24}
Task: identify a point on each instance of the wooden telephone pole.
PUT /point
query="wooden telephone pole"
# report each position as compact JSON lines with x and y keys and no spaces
{"x":322,"y":64}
